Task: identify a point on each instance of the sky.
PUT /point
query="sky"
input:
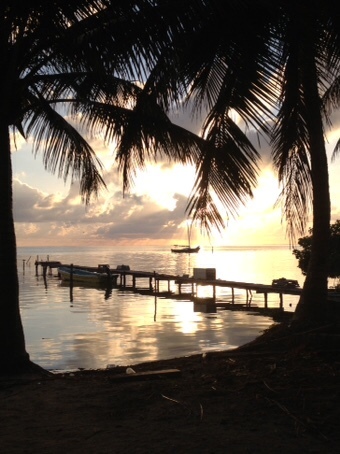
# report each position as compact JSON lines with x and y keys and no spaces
{"x":49,"y":212}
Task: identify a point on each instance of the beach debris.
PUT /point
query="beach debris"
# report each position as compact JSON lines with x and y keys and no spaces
{"x":155,"y":374}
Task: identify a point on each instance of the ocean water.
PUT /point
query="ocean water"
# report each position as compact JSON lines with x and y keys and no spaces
{"x":92,"y":328}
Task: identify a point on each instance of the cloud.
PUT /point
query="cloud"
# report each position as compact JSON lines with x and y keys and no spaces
{"x":55,"y":219}
{"x":48,"y":212}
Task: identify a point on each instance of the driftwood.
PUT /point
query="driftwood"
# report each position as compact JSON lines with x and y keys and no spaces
{"x":146,"y":375}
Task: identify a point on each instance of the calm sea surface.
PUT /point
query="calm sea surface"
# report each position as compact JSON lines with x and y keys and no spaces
{"x":95,"y":327}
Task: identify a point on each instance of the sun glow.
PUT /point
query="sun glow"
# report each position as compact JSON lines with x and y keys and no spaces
{"x":161,"y":183}
{"x":259,"y":221}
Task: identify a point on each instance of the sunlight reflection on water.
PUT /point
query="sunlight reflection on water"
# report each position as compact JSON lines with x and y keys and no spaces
{"x":123,"y":327}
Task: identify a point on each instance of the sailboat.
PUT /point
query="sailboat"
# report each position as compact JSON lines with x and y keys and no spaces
{"x":185,"y":249}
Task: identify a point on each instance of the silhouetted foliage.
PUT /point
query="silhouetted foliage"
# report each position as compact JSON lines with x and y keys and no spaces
{"x":304,"y":252}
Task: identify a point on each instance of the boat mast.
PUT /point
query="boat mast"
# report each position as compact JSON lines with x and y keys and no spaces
{"x":189,"y":226}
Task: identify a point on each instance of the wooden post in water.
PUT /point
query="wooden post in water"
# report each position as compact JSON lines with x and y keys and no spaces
{"x":155,"y":311}
{"x":281,"y":300}
{"x":156,"y":283}
{"x":108,"y":272}
{"x":266,"y":300}
{"x":71,"y":273}
{"x":249,"y":296}
{"x":71,"y":282}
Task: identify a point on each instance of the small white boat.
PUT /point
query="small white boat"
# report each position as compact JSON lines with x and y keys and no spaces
{"x":79,"y":275}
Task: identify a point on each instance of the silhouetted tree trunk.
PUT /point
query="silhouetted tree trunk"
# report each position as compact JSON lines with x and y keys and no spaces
{"x":311,"y":306}
{"x":13,"y":355}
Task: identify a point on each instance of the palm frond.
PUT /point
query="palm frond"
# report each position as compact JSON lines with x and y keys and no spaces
{"x":65,"y":151}
{"x":331,"y":102}
{"x":296,"y":196}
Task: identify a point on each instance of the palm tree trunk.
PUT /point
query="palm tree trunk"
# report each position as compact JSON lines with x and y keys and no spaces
{"x":312,"y":304}
{"x":13,"y":355}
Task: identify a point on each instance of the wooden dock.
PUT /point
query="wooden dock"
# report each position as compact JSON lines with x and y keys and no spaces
{"x":151,"y":283}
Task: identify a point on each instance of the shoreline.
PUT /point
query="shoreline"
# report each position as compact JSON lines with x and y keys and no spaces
{"x":266,"y":396}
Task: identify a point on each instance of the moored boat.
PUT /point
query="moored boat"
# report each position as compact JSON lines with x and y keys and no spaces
{"x":185,"y":249}
{"x":90,"y":277}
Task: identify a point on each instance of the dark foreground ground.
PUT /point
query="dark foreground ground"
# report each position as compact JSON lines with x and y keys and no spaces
{"x":272,"y":396}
